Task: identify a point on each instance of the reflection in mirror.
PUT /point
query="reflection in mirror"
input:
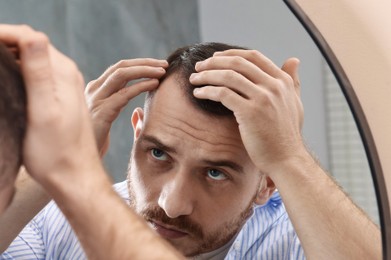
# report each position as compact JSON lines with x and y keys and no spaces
{"x":347,"y":157}
{"x":98,"y":33}
{"x":359,"y":32}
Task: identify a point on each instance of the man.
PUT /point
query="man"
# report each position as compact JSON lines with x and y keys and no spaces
{"x":12,"y":124}
{"x":203,"y":175}
{"x":59,"y":150}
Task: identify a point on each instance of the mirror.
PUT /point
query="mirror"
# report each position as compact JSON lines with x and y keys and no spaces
{"x":362,"y":28}
{"x":97,"y":33}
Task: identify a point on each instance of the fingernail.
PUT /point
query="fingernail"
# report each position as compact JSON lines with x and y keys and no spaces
{"x":196,"y":91}
{"x":197,"y":65}
{"x":193,"y":76}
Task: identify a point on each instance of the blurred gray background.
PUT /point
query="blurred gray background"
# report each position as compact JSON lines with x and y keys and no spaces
{"x":97,"y":33}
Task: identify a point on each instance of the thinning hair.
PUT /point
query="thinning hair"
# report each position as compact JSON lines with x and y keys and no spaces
{"x":12,"y":115}
{"x":182,"y":64}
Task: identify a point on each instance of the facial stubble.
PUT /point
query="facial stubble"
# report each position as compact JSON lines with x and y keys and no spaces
{"x":206,"y":242}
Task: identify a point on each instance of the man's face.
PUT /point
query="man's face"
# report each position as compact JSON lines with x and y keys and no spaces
{"x":190,"y":176}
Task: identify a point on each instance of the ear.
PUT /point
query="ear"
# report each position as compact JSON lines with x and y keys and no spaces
{"x":266,"y":189}
{"x":137,"y":121}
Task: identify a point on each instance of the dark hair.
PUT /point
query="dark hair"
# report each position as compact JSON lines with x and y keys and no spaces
{"x":182,"y":63}
{"x":12,"y":115}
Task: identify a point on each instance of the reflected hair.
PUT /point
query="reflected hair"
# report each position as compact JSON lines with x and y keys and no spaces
{"x":181,"y":64}
{"x":12,"y":115}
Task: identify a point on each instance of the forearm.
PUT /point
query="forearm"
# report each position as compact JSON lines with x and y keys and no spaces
{"x":29,"y":199}
{"x":329,"y":225}
{"x":106,"y":227}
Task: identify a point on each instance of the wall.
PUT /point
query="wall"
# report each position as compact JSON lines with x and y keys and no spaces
{"x":98,"y":33}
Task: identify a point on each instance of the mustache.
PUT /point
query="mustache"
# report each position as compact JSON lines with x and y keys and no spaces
{"x":182,"y":223}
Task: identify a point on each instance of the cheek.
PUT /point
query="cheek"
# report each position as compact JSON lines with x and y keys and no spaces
{"x":224,"y":224}
{"x":245,"y":192}
{"x":142,"y":184}
{"x":230,"y":207}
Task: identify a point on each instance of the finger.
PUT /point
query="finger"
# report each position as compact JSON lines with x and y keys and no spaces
{"x":33,"y":48}
{"x":236,"y":63}
{"x":120,"y":78}
{"x":120,"y":99}
{"x":291,"y":67}
{"x":255,"y":57}
{"x":36,"y":68}
{"x":227,"y":97}
{"x":131,"y":92}
{"x":36,"y":54}
{"x":228,"y":78}
{"x":130,"y":63}
{"x":11,"y":35}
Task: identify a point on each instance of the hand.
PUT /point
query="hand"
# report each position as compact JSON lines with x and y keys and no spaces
{"x":264,"y":99}
{"x":109,"y":94}
{"x":59,"y":135}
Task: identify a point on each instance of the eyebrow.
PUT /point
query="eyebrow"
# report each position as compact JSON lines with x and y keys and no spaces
{"x":225,"y":163}
{"x":159,"y":144}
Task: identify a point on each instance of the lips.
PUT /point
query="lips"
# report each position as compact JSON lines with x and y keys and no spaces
{"x":166,"y":231}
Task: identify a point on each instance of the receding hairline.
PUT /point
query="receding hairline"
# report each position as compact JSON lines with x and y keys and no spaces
{"x":182,"y":63}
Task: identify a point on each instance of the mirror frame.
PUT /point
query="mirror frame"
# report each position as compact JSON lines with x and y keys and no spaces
{"x":359,"y":116}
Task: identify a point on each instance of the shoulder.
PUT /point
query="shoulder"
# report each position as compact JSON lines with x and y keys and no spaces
{"x":268,"y":234}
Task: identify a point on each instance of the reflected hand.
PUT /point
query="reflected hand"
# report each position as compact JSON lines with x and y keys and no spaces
{"x":264,"y":99}
{"x":59,"y":125}
{"x":109,"y":94}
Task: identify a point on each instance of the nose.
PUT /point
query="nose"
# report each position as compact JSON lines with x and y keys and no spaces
{"x":177,"y":196}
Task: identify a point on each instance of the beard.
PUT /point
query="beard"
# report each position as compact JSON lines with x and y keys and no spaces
{"x":199,"y":241}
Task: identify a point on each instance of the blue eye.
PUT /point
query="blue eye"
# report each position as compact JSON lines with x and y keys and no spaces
{"x":216,"y":175}
{"x":158,"y":154}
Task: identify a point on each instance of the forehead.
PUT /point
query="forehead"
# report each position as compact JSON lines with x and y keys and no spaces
{"x":173,"y":117}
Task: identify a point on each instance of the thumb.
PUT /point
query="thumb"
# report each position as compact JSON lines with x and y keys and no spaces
{"x":291,"y":67}
{"x":35,"y":64}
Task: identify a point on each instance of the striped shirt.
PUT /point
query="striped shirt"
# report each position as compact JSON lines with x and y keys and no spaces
{"x":267,"y":234}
